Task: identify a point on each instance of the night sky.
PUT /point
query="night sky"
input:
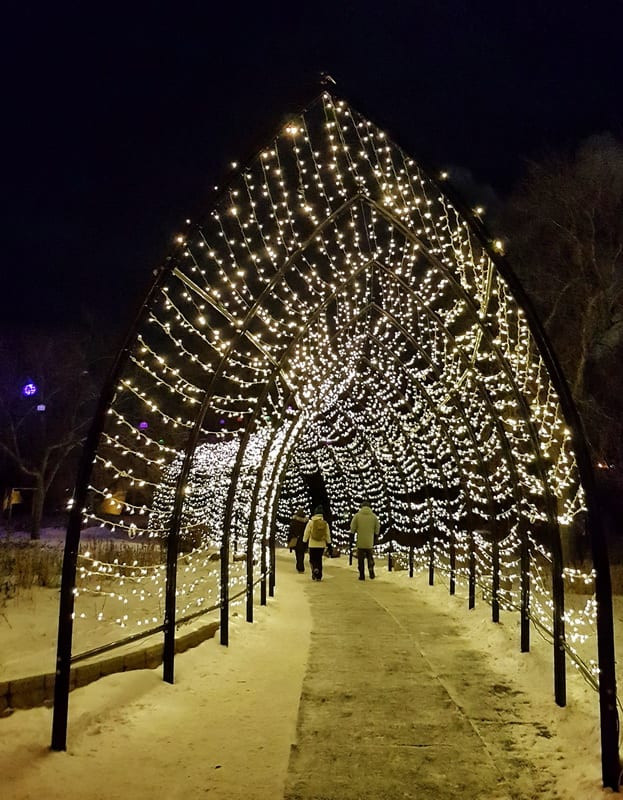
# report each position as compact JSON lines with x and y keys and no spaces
{"x":120,"y":118}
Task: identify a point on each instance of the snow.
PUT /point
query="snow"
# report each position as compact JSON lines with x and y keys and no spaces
{"x":225,"y":728}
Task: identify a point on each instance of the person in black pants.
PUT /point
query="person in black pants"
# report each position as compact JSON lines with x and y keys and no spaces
{"x":318,"y":536}
{"x":366,"y":525}
{"x":298,"y":521}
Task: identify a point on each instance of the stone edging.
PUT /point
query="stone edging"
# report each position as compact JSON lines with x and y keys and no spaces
{"x":38,"y":690}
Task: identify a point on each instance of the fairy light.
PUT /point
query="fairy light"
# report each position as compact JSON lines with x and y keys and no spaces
{"x":336,"y":308}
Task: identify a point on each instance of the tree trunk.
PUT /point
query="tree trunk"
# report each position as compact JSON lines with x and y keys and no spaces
{"x":38,"y":497}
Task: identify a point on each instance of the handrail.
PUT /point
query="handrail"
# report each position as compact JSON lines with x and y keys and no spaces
{"x":105,"y":648}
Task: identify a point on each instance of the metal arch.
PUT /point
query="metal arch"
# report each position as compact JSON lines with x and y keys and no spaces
{"x":432,"y":406}
{"x":492,"y":347}
{"x":525,"y":618}
{"x":411,"y":451}
{"x":607,"y":684}
{"x":191,"y":444}
{"x":413,"y":342}
{"x":285,"y":355}
{"x":555,"y":543}
{"x":557,"y":559}
{"x":291,"y":433}
{"x":407,"y":336}
{"x":169,"y":650}
{"x":485,"y":397}
{"x":426,"y":396}
{"x":459,"y":291}
{"x":609,"y":719}
{"x":72,"y":539}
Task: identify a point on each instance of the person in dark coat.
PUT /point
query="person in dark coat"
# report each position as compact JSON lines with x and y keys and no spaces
{"x":365,"y":524}
{"x":298,"y":521}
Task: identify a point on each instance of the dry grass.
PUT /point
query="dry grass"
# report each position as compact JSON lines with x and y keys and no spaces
{"x":24,"y":564}
{"x":616,"y":575}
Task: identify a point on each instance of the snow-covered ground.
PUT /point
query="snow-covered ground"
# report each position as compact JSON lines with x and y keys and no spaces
{"x":225,"y":729}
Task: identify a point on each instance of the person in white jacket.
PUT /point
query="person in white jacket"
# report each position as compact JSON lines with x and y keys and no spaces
{"x":318,"y":536}
{"x":366,"y":525}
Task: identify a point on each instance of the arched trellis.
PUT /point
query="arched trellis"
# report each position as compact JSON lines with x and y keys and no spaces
{"x":338,"y":312}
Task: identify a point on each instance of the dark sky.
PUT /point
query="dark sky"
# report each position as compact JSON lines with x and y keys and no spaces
{"x":120,"y":117}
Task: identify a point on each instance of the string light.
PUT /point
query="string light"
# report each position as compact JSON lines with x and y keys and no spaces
{"x":335,"y":316}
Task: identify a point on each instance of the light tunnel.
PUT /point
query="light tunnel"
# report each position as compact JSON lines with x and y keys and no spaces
{"x":338,"y":327}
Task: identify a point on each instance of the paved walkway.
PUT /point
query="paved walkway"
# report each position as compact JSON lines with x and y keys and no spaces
{"x":340,"y":689}
{"x":389,"y":711}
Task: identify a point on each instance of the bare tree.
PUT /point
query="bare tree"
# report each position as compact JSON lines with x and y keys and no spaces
{"x":47,"y":393}
{"x":565,"y":222}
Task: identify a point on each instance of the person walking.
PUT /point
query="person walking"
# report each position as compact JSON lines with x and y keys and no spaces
{"x":298,"y":522}
{"x":317,"y":535}
{"x":366,"y":525}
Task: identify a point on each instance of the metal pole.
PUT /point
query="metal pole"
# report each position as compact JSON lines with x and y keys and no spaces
{"x":452,"y":562}
{"x":168,"y":654}
{"x":525,"y":589}
{"x":272,"y":560}
{"x":74,"y":524}
{"x":495,"y":581}
{"x":224,"y":626}
{"x":431,"y":559}
{"x":558,"y":599}
{"x":609,"y":718}
{"x":250,"y":578}
{"x":263,"y":566}
{"x":472,"y":571}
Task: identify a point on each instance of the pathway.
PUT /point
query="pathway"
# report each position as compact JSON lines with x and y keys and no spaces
{"x":388,"y":710}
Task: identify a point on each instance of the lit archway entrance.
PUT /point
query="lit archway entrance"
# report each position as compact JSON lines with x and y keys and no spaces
{"x":336,"y":315}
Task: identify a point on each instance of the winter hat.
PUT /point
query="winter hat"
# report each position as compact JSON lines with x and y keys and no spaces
{"x":318,"y":510}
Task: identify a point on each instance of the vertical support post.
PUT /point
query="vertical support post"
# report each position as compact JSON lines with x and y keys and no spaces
{"x":609,"y":725}
{"x":225,"y":589}
{"x":609,"y":721}
{"x":272,"y":561}
{"x":65,"y":628}
{"x":525,"y":589}
{"x":273,"y":549}
{"x":411,"y":549}
{"x":250,"y":578}
{"x":350,"y":550}
{"x":389,"y":556}
{"x":431,"y":560}
{"x":472,"y":571}
{"x":452,"y":561}
{"x":168,"y":655}
{"x":263,"y":568}
{"x":274,"y":481}
{"x":495,"y":581}
{"x":558,"y":598}
{"x":72,"y":539}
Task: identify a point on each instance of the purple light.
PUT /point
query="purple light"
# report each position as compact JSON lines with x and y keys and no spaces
{"x":143,"y":426}
{"x":222,"y":421}
{"x":29,"y":389}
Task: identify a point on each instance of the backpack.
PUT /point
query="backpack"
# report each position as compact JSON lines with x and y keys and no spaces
{"x":318,"y":530}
